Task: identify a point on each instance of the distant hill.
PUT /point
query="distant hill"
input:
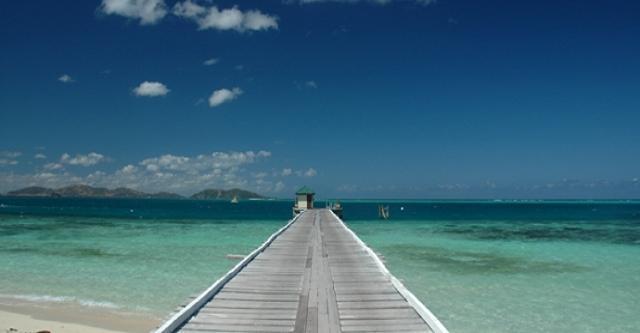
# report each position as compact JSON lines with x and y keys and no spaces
{"x":86,"y":191}
{"x":165,"y":195}
{"x":217,"y":194}
{"x":33,"y":191}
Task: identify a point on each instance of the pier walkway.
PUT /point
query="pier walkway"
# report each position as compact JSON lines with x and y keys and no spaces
{"x":313,"y":275}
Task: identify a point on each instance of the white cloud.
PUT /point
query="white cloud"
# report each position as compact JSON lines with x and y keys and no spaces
{"x":53,"y":166}
{"x":216,"y":160}
{"x":187,"y":174}
{"x":9,"y":157}
{"x":152,"y":167}
{"x":256,"y":20}
{"x":128,"y":169}
{"x":169,"y":172}
{"x":151,"y":89}
{"x":10,"y":154}
{"x":224,"y":19}
{"x":211,"y":61}
{"x":311,"y":84}
{"x":45,"y":175}
{"x":147,"y":11}
{"x":223,"y":95}
{"x":153,"y":11}
{"x":188,"y":9}
{"x":260,"y":175}
{"x":82,"y":160}
{"x":66,"y":78}
{"x":167,"y":162}
{"x":286,"y":172}
{"x":5,"y":161}
{"x":311,"y":172}
{"x":40,"y":156}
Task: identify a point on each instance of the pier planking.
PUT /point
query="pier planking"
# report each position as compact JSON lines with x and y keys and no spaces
{"x":313,"y":275}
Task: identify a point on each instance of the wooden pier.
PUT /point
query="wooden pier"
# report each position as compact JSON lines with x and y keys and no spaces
{"x":313,"y":275}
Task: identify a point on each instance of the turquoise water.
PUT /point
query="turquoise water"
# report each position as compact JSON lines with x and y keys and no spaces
{"x":479,"y":266}
{"x":522,"y":277}
{"x":130,"y":265}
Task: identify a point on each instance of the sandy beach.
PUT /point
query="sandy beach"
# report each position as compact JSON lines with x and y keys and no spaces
{"x":26,"y":317}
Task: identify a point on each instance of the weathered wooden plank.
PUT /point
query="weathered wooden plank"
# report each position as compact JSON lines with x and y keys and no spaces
{"x":303,"y":302}
{"x":397,"y":321}
{"x":228,"y":295}
{"x":357,"y":289}
{"x":213,"y":309}
{"x":266,"y":283}
{"x":266,"y":291}
{"x":312,"y":320}
{"x":301,"y":316}
{"x":374,"y":314}
{"x":242,"y":321}
{"x":234,"y":328}
{"x":270,"y":277}
{"x":368,"y":297}
{"x":396,"y":304}
{"x":315,"y":276}
{"x":333,"y":316}
{"x":257,"y":315}
{"x":372,"y":327}
{"x":359,"y":278}
{"x":223,"y":303}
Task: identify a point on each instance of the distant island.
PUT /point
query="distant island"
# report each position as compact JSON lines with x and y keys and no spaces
{"x":86,"y":191}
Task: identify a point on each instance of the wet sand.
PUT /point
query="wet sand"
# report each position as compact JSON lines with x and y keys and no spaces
{"x":17,"y":316}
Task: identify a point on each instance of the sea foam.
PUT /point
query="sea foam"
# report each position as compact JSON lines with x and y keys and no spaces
{"x":44,"y":299}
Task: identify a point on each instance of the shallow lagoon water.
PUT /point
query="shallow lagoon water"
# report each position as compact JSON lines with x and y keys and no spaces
{"x":576,"y":273}
{"x":133,"y":265}
{"x":477,"y":282}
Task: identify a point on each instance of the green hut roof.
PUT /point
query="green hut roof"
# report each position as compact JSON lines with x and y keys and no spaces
{"x":305,"y":190}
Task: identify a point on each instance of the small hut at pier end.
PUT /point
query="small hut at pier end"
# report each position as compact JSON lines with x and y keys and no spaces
{"x":304,"y":200}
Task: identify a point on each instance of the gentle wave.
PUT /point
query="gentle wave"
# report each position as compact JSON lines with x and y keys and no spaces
{"x":62,"y":299}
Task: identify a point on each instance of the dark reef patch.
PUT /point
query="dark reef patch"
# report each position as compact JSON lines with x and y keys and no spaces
{"x":468,"y":262}
{"x":45,"y":249}
{"x":590,"y":232}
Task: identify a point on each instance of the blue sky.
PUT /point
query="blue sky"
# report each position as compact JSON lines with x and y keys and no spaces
{"x":397,"y":98}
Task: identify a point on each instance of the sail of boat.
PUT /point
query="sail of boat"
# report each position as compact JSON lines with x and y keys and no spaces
{"x":383,"y":212}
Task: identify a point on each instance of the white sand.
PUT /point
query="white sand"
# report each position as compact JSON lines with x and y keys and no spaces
{"x":24,"y":323}
{"x":31,"y":317}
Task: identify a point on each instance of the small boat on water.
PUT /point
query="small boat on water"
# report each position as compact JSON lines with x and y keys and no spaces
{"x":383,"y":212}
{"x":335,"y":207}
{"x":235,"y":200}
